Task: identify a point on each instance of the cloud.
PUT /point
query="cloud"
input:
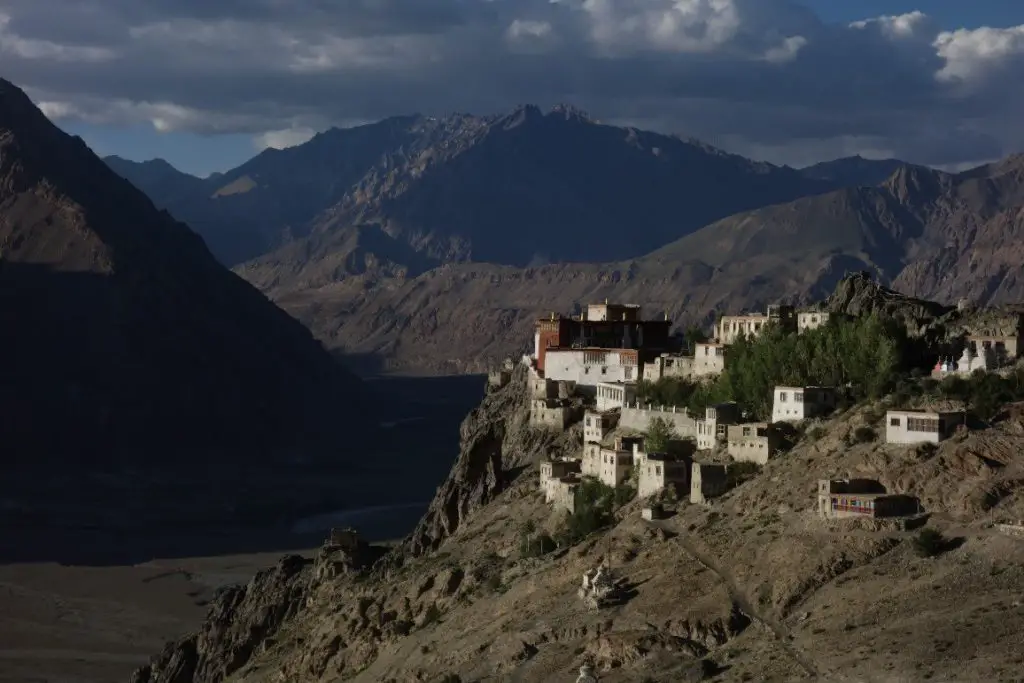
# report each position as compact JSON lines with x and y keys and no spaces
{"x":762,"y":77}
{"x":282,"y":139}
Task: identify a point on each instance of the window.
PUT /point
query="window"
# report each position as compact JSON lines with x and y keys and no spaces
{"x":782,"y":397}
{"x":657,"y":470}
{"x":746,"y":431}
{"x":604,"y":371}
{"x":588,"y":422}
{"x":814,"y":318}
{"x":922,"y":424}
{"x":894,"y":422}
{"x":798,"y":397}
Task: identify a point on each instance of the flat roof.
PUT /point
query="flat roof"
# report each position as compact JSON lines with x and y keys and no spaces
{"x":590,"y":348}
{"x":920,"y":411}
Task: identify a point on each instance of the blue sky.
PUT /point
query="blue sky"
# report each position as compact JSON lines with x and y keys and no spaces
{"x":207,"y":85}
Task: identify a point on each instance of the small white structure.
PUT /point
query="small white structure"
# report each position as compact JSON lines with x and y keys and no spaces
{"x":707,"y":481}
{"x":553,"y":470}
{"x":599,"y":586}
{"x":563,"y":493}
{"x":607,"y":311}
{"x":612,"y":395}
{"x":920,"y":426}
{"x":615,"y":466}
{"x":754,"y":442}
{"x":811,"y":320}
{"x":969,"y":361}
{"x":586,"y":675}
{"x":668,"y":365}
{"x":711,"y":430}
{"x":708,"y":358}
{"x":552,"y":412}
{"x":660,"y":471}
{"x":792,"y":404}
{"x":596,"y":425}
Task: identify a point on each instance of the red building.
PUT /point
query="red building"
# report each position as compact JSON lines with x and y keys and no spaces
{"x":604,"y":326}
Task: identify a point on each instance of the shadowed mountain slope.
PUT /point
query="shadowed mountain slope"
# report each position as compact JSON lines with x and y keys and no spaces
{"x":123,"y":336}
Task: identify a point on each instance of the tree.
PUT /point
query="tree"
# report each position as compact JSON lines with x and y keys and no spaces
{"x":660,"y":433}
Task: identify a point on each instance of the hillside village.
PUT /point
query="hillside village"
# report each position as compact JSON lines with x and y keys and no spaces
{"x":598,"y":367}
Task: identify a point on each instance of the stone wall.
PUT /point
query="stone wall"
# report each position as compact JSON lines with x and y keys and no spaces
{"x":639,"y":418}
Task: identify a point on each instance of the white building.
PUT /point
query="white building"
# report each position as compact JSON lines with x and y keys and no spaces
{"x":668,"y":365}
{"x":607,"y":311}
{"x":920,"y":426}
{"x":589,"y":367}
{"x":811,"y":320}
{"x":615,"y":395}
{"x":792,"y":404}
{"x":659,"y":471}
{"x":596,"y":425}
{"x":553,"y":470}
{"x":615,"y":466}
{"x":708,"y":358}
{"x":711,"y":430}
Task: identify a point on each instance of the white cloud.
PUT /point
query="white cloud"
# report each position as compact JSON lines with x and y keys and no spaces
{"x":765,"y":75}
{"x":27,"y":48}
{"x":974,"y":54}
{"x":282,"y":139}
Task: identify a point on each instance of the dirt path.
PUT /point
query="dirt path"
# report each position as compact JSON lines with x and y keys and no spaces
{"x":781,"y":633}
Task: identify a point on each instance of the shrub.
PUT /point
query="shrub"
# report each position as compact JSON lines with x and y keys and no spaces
{"x":660,"y":433}
{"x":929,"y":543}
{"x":536,"y":545}
{"x":816,"y":433}
{"x":592,"y":511}
{"x":864,"y":434}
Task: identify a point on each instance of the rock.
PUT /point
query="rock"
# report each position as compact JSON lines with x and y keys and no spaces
{"x":240,"y":619}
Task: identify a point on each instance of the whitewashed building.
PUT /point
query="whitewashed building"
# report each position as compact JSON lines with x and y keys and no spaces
{"x":792,"y":404}
{"x":590,"y":367}
{"x":616,"y":466}
{"x":920,"y":426}
{"x":659,"y":471}
{"x":596,"y":425}
{"x":612,"y":395}
{"x":711,"y":430}
{"x":708,"y":358}
{"x":811,"y":319}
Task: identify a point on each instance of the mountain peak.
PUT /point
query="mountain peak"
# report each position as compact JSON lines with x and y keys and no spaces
{"x":572,"y":113}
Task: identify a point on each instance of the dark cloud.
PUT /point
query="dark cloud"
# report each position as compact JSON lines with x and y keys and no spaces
{"x":762,"y":77}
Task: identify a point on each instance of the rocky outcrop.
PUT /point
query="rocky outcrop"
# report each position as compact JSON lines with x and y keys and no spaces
{"x":859,"y":295}
{"x":497,"y":443}
{"x":241,"y":621}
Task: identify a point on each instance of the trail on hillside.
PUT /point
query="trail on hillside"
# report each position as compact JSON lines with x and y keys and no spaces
{"x":738,"y":596}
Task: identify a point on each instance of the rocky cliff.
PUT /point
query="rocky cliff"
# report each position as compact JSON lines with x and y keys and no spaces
{"x":497,"y":445}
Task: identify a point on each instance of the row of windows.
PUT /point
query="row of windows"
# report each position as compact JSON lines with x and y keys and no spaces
{"x":917,"y":424}
{"x":798,"y":397}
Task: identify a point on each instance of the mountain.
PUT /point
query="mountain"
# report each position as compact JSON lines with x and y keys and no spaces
{"x":124,"y":339}
{"x":931,"y":234}
{"x":527,"y":187}
{"x":853,"y":171}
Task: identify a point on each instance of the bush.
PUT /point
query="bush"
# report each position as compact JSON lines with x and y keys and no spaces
{"x":624,"y":494}
{"x":929,"y":543}
{"x":864,"y":434}
{"x":536,"y":545}
{"x":816,"y":433}
{"x":660,"y":433}
{"x":593,"y":508}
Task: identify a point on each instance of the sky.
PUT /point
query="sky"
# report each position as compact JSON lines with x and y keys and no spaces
{"x":206,"y":85}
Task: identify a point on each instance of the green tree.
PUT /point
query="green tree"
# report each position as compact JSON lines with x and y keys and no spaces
{"x":660,"y":433}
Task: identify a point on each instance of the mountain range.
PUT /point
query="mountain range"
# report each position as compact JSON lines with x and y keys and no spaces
{"x":124,"y":338}
{"x":432,"y":243}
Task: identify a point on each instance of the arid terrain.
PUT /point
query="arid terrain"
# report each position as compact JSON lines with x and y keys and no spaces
{"x":81,"y":624}
{"x":752,"y":587}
